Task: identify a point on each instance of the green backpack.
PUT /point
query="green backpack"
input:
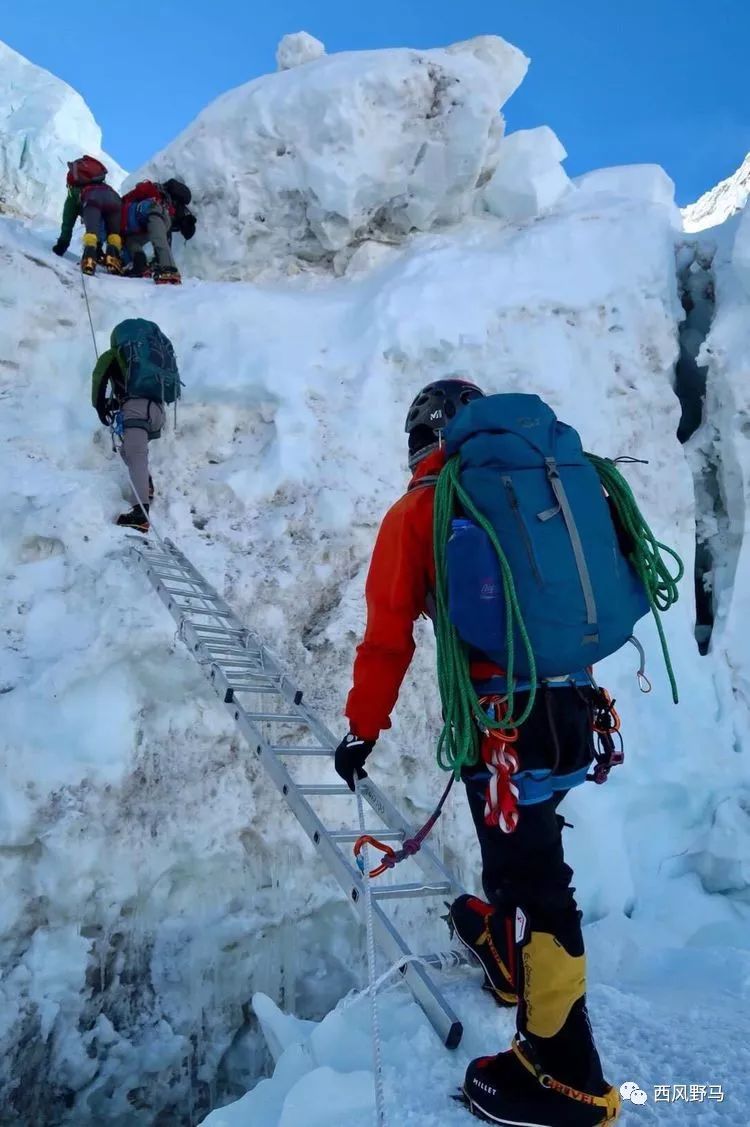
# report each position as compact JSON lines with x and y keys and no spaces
{"x":146,"y":357}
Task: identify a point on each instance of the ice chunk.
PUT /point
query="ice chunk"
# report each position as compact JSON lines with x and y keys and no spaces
{"x":294,"y":50}
{"x":297,"y":165}
{"x":43,"y":124}
{"x":647,"y":182}
{"x":529,"y":176}
{"x":279,"y":1029}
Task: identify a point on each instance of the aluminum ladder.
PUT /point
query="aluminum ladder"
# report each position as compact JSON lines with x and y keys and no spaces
{"x":241,"y":670}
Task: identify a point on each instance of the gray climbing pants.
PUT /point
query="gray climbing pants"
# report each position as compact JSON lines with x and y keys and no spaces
{"x":142,"y":421}
{"x":156,"y":233}
{"x":101,"y":207}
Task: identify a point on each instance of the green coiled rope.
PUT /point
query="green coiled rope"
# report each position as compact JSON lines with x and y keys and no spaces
{"x":463,"y":715}
{"x":646,"y":557}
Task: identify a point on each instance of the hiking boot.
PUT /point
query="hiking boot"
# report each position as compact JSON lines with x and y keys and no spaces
{"x":112,"y":259}
{"x":167,"y":275}
{"x":490,"y":938}
{"x":506,"y":1089}
{"x":88,"y":260}
{"x":90,"y":254}
{"x":137,"y":518}
{"x":139,"y":266}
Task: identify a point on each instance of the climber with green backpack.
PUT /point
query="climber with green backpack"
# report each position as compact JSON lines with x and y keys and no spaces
{"x":534,"y":562}
{"x":131,"y":383}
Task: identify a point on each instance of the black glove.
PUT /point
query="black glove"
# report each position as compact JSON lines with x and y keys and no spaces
{"x":187,"y":226}
{"x":105,"y":417}
{"x":350,"y":758}
{"x":60,"y":247}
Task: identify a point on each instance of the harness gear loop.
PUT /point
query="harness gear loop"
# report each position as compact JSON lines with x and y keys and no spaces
{"x":609,"y":1103}
{"x":411,"y":845}
{"x":609,"y":751}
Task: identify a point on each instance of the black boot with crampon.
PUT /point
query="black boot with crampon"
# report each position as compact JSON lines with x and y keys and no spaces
{"x":112,"y":254}
{"x":552,"y":1075}
{"x":489,"y":935}
{"x":90,"y":254}
{"x":137,"y":518}
{"x":167,"y":276}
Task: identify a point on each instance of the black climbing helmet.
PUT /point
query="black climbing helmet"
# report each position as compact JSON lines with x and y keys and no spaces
{"x":432,"y":410}
{"x":178,"y":192}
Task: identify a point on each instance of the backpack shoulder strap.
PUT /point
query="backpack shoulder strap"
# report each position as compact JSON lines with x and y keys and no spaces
{"x":425,"y":482}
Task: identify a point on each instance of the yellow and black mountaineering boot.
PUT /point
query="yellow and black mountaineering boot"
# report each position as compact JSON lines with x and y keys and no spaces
{"x":112,"y":257}
{"x":88,"y":258}
{"x":489,"y":935}
{"x":552,"y":1076}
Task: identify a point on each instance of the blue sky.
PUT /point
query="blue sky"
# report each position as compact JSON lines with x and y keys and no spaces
{"x":620,"y":81}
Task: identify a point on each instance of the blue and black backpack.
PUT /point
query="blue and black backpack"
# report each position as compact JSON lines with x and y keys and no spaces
{"x":527,"y":474}
{"x":147,"y":360}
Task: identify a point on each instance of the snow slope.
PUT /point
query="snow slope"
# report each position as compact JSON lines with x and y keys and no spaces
{"x":43,"y":124}
{"x":720,"y":203}
{"x":153,"y":883}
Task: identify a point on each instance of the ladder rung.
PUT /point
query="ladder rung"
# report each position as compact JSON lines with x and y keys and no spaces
{"x":236,"y":663}
{"x":232,"y":651}
{"x":324,"y":788}
{"x":252,"y":686}
{"x":278,"y":718}
{"x":206,"y":610}
{"x":345,"y":836}
{"x":302,"y":751}
{"x":396,"y":891}
{"x":224,"y":631}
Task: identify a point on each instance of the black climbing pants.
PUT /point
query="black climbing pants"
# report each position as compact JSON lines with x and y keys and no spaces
{"x":526,"y":870}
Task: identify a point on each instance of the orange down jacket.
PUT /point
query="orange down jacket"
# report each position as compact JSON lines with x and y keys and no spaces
{"x":399,"y":583}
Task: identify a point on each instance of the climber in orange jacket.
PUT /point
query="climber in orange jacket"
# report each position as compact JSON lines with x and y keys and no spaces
{"x":527,"y":935}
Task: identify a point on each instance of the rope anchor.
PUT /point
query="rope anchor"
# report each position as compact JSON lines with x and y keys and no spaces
{"x":411,"y":845}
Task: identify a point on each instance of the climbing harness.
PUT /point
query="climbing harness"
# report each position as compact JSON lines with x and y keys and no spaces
{"x":646,"y":555}
{"x":411,"y":845}
{"x":377,"y":1056}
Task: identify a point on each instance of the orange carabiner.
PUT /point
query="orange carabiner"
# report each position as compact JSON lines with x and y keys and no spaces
{"x":373,"y":841}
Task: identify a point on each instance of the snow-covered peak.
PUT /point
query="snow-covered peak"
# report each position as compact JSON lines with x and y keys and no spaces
{"x":304,"y":165}
{"x":722,"y":202}
{"x":43,"y":124}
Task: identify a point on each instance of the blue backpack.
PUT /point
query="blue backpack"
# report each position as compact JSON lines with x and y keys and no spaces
{"x":526,"y":472}
{"x":147,"y":360}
